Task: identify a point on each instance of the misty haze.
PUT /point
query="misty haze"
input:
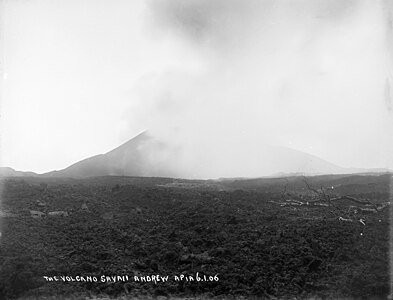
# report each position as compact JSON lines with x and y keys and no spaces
{"x":215,"y":80}
{"x":249,"y":142}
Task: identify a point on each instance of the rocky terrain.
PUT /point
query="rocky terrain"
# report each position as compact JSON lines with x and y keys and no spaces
{"x":258,"y":238}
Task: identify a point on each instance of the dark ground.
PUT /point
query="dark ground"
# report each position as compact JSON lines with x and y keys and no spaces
{"x":234,"y":230}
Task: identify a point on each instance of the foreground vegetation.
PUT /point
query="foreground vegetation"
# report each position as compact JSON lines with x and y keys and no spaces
{"x":234,"y":231}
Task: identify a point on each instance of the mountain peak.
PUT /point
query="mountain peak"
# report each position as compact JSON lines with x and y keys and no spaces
{"x":146,"y":155}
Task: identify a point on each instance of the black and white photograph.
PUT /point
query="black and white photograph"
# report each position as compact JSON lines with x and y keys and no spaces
{"x":196,"y":149}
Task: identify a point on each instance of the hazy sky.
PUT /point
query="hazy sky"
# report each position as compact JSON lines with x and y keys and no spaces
{"x":80,"y":77}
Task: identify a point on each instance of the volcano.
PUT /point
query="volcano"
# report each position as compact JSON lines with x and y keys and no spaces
{"x":133,"y":158}
{"x":148,"y":156}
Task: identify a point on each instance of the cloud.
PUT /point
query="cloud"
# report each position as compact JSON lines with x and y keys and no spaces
{"x":301,"y":74}
{"x":313,"y":75}
{"x":220,"y":23}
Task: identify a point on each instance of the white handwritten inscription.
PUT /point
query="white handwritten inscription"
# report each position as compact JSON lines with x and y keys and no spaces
{"x":126,"y":278}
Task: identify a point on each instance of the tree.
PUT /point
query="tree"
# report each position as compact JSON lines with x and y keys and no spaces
{"x":324,"y":197}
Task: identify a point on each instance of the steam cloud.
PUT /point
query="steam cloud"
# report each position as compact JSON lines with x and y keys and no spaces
{"x":213,"y":80}
{"x":312,"y":75}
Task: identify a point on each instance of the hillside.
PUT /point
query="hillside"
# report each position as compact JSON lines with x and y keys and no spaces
{"x":10,"y":172}
{"x":145,"y":155}
{"x":130,"y":159}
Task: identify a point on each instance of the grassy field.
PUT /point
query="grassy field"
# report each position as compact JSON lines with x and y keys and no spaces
{"x":241,"y":238}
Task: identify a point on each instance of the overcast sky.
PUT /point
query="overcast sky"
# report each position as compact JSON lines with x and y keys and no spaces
{"x":80,"y":77}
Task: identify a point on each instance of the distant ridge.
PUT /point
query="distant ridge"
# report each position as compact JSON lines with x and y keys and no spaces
{"x":146,"y":156}
{"x":343,"y":171}
{"x":9,"y":172}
